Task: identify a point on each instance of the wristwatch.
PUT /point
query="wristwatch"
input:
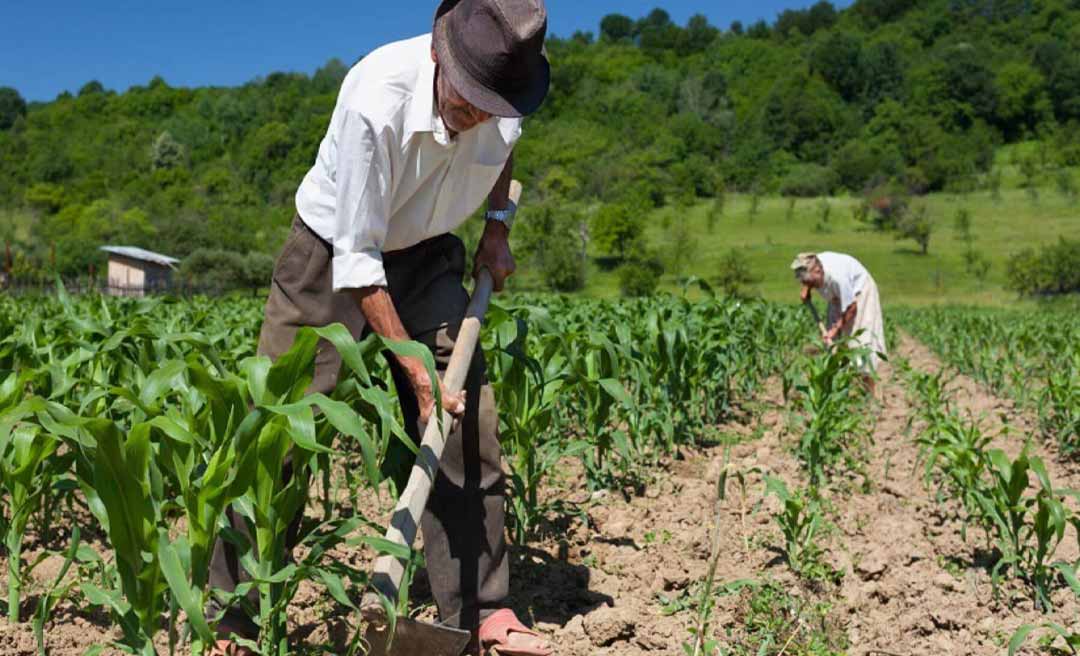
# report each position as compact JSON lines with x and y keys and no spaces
{"x":506,"y":217}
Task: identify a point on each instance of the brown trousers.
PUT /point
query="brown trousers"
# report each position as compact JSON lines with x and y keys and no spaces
{"x":463,"y":525}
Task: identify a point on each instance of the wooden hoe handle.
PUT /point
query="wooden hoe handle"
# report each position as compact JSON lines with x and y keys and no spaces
{"x":410,"y":506}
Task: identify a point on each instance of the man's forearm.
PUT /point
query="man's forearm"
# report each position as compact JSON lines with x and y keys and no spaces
{"x":379,"y":312}
{"x":846,"y":319}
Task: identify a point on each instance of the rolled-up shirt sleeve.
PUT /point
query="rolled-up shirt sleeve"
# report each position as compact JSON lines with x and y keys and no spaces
{"x":363,"y":204}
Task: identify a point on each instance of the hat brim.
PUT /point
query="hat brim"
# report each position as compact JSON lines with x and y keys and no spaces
{"x":507,"y":105}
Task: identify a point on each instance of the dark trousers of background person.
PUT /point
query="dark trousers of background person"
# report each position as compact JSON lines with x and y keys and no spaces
{"x":463,"y":525}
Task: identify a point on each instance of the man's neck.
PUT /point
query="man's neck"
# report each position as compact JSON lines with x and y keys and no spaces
{"x":452,"y":133}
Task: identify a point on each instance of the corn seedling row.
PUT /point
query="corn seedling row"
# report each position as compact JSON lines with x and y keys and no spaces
{"x":150,"y":415}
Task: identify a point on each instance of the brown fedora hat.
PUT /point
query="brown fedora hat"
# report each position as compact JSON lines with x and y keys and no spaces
{"x":492,"y":52}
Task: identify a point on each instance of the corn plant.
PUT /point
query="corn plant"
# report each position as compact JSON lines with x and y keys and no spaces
{"x":600,"y":395}
{"x":800,"y":520}
{"x":157,"y":413}
{"x":1071,"y":638}
{"x":701,"y":644}
{"x":1027,"y":529}
{"x":831,"y":418}
{"x":26,"y":472}
{"x":929,"y":395}
{"x":1059,"y":406}
{"x":993,"y":488}
{"x":1032,"y":357}
{"x":956,"y":449}
{"x":528,"y":390}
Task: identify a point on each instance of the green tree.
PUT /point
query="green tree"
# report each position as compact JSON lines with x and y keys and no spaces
{"x":683,"y":248}
{"x":12,"y":106}
{"x":1060,"y":65}
{"x":329,"y":76}
{"x":839,"y":61}
{"x":656,"y":32}
{"x":1053,"y":269}
{"x":883,"y":71}
{"x":916,"y":225}
{"x":45,"y":198}
{"x":801,"y":115}
{"x":91,"y":87}
{"x":616,"y":230}
{"x":1023,"y":103}
{"x":167,"y":152}
{"x":1066,"y":184}
{"x":698,"y":35}
{"x":616,"y":27}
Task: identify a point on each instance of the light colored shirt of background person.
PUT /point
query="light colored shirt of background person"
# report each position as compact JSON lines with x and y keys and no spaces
{"x":844,"y":280}
{"x":404,"y":159}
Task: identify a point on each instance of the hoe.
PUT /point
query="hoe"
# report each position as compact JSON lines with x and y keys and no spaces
{"x":410,"y":637}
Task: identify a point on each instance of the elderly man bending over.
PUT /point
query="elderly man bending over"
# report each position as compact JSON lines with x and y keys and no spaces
{"x":423,"y":130}
{"x":852,"y":296}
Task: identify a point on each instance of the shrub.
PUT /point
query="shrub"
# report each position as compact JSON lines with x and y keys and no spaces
{"x":735,"y":274}
{"x":1054,"y":269}
{"x":223,"y":270}
{"x":640,"y":276}
{"x":884,"y":207}
{"x":45,"y":197}
{"x":562,"y":267}
{"x":809,"y":181}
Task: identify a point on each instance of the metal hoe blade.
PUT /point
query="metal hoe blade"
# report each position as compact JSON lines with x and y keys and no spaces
{"x":412,"y":638}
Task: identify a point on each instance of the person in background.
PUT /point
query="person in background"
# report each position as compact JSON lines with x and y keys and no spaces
{"x":852,"y":298}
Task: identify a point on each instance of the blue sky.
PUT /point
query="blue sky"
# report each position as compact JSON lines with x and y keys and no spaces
{"x":50,"y":47}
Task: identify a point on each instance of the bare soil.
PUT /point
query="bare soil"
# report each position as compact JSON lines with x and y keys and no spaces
{"x":596,"y":582}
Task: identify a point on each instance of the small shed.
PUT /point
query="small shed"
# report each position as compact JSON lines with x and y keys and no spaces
{"x":135,"y":271}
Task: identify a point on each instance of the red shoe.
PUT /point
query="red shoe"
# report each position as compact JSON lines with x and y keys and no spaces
{"x":502,"y":634}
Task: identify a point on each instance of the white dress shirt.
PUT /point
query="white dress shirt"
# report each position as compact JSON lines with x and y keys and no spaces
{"x":388,"y":175}
{"x":844,"y":278}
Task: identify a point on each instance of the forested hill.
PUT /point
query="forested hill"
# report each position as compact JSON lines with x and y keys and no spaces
{"x":642,"y":113}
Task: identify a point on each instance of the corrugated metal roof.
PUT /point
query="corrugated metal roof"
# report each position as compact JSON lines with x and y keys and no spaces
{"x":136,"y":253}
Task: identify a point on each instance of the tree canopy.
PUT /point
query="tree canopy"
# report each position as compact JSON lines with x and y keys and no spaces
{"x":914,"y":92}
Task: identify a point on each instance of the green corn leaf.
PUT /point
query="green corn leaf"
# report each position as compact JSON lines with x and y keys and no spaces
{"x":164,"y":379}
{"x":173,"y":567}
{"x":616,"y":390}
{"x":384,"y":546}
{"x":336,"y":587}
{"x":347,"y":422}
{"x":301,"y":422}
{"x":1019,"y":637}
{"x":174,"y":430}
{"x":341,"y":339}
{"x":293,"y":371}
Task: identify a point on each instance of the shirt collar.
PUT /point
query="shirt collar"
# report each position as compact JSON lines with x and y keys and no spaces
{"x":423,"y":115}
